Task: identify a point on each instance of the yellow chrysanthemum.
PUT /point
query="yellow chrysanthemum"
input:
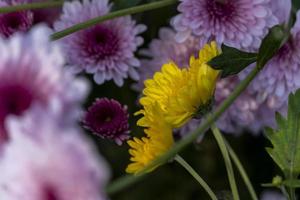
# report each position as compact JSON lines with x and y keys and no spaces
{"x":181,"y":92}
{"x":159,"y":140}
{"x":198,"y":91}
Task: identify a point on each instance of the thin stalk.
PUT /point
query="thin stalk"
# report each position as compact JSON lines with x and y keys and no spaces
{"x":112,"y":15}
{"x":242,"y":171}
{"x":188,"y":168}
{"x":30,"y":6}
{"x":221,"y":143}
{"x":129,"y":180}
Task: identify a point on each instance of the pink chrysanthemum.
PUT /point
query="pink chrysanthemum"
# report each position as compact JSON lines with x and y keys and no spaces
{"x":282,"y":74}
{"x":107,"y":118}
{"x":237,"y":23}
{"x":105,"y":50}
{"x":31,"y":72}
{"x":46,"y":161}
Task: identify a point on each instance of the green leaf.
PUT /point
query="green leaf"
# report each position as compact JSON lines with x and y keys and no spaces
{"x":286,"y":139}
{"x":232,"y":61}
{"x":293,"y":183}
{"x":271,"y":44}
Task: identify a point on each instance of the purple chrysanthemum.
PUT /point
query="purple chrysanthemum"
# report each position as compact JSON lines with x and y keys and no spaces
{"x":282,"y":73}
{"x":164,"y":49}
{"x":15,"y":21}
{"x":105,"y":50}
{"x":31,"y":72}
{"x":237,"y":23}
{"x":50,"y":162}
{"x":107,"y":118}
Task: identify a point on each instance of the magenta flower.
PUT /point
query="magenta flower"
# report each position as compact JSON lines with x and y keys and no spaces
{"x":108,"y":119}
{"x":31,"y":72}
{"x":50,"y":161}
{"x":237,"y":23}
{"x":105,"y":50}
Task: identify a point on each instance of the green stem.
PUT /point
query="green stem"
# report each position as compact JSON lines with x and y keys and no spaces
{"x":242,"y":171}
{"x":119,"y":13}
{"x":29,"y":6}
{"x":219,"y":138}
{"x":188,"y":168}
{"x":191,"y":136}
{"x":291,"y":190}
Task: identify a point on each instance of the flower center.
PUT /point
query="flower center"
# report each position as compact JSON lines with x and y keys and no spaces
{"x":221,"y":10}
{"x":49,"y":194}
{"x":16,"y":21}
{"x":99,"y":43}
{"x":286,"y":50}
{"x":14,"y":99}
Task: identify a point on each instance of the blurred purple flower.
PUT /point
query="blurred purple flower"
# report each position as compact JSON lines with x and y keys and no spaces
{"x":242,"y":113}
{"x":108,"y":119}
{"x":49,"y":161}
{"x":31,"y":72}
{"x":105,"y":50}
{"x":271,"y":195}
{"x":237,"y":23}
{"x":282,"y":73}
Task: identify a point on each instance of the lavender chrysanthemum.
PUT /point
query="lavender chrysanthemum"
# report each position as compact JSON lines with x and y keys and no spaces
{"x":282,"y":73}
{"x":46,"y":161}
{"x":237,"y":23}
{"x":31,"y":72}
{"x":107,"y":118}
{"x":105,"y":50}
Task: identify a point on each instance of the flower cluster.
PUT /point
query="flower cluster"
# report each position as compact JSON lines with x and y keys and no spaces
{"x":172,"y":98}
